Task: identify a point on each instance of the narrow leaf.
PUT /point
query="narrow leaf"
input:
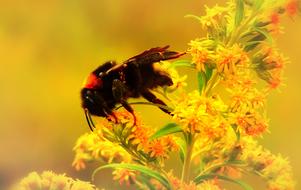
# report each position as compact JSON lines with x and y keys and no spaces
{"x":261,"y":24}
{"x":252,"y":43}
{"x":182,"y":146}
{"x":144,"y":170}
{"x":239,"y":12}
{"x":265,"y":33}
{"x":258,"y":4}
{"x":201,"y":178}
{"x":201,"y":81}
{"x":208,"y":73}
{"x":168,"y":129}
{"x":236,"y":131}
{"x":247,"y":35}
{"x":251,"y":47}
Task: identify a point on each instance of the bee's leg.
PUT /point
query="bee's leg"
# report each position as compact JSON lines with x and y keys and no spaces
{"x":105,"y":110}
{"x":110,"y":115}
{"x":152,"y":98}
{"x":119,"y":90}
{"x":129,"y":109}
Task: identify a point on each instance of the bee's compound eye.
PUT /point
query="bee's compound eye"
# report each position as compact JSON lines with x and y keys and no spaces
{"x":89,"y":99}
{"x":101,"y":74}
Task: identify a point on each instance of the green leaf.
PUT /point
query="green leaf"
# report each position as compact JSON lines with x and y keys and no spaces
{"x":251,"y":47}
{"x":144,"y":170}
{"x":259,"y":38}
{"x":239,"y":12}
{"x":237,"y":133}
{"x":261,"y":24}
{"x":182,"y":146}
{"x":247,"y":35}
{"x":265,"y":33}
{"x":208,"y":73}
{"x":258,"y":4}
{"x":181,"y":63}
{"x":168,"y":129}
{"x":201,"y":80}
{"x":201,"y":178}
{"x":250,"y":43}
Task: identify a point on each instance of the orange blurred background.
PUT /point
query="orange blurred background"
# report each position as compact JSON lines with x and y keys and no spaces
{"x":48,"y":47}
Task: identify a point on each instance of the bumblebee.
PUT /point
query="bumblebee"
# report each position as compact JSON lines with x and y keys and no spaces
{"x":112,"y":84}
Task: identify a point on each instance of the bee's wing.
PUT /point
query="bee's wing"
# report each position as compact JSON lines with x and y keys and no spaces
{"x":151,"y":51}
{"x":155,"y":55}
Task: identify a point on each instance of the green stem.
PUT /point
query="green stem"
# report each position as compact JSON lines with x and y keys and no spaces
{"x":212,"y":83}
{"x":236,"y":34}
{"x":187,"y":161}
{"x":219,"y":165}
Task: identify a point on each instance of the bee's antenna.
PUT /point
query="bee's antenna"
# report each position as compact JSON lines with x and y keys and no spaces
{"x":89,"y":119}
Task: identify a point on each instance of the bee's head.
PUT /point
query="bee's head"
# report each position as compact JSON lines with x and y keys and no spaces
{"x":93,"y":102}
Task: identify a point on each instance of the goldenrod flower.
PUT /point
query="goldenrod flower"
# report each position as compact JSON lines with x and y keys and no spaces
{"x":250,"y":123}
{"x":273,"y":168}
{"x":214,"y":19}
{"x":292,"y":7}
{"x":177,"y":184}
{"x":244,"y":102}
{"x":90,"y":147}
{"x":275,"y":18}
{"x":230,"y":59}
{"x":134,"y":139}
{"x":209,"y":185}
{"x":202,"y":52}
{"x":51,"y":181}
{"x":269,"y":66}
{"x":198,"y":114}
{"x":160,"y":147}
{"x":125,"y":176}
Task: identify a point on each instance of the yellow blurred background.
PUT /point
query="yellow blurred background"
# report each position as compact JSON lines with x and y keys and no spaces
{"x":48,"y":47}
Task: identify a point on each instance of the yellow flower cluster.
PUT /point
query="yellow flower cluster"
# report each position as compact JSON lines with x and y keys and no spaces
{"x":214,"y":150}
{"x":199,"y":114}
{"x":202,"y":53}
{"x":51,"y":181}
{"x":209,"y":185}
{"x":91,"y":147}
{"x":125,"y":176}
{"x":177,"y":184}
{"x":214,"y":18}
{"x":135,"y":138}
{"x":228,"y":61}
{"x":157,"y":148}
{"x":274,"y":168}
{"x":269,"y":66}
{"x":231,"y":60}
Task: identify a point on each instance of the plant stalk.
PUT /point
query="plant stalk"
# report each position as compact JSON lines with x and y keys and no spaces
{"x":187,"y":162}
